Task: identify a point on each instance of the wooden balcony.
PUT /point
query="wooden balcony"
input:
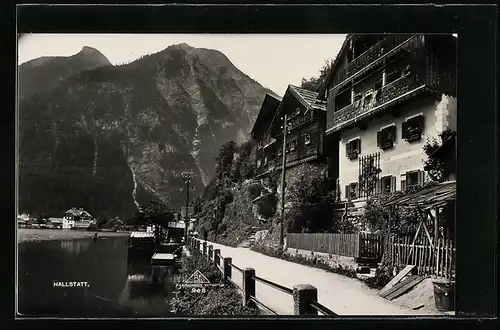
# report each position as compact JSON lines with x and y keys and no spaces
{"x":378,"y":50}
{"x":389,"y":95}
{"x":374,"y":56}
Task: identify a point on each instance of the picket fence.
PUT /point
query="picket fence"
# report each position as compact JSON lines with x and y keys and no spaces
{"x":438,"y":259}
{"x":360,"y":245}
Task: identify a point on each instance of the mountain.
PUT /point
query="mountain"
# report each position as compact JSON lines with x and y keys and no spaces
{"x":45,"y":73}
{"x":111,"y":138}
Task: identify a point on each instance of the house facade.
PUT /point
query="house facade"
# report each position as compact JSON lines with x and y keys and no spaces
{"x":387,"y":95}
{"x":306,"y":118}
{"x":76,"y":218}
{"x":264,"y":144}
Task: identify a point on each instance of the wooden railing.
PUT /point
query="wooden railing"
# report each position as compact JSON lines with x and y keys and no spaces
{"x":376,"y":51}
{"x":305,"y":297}
{"x":360,"y":245}
{"x":383,"y":97}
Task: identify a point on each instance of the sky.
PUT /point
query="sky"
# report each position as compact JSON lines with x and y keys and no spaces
{"x":274,"y":60}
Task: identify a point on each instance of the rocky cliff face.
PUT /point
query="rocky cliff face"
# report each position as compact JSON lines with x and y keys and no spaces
{"x":111,"y":137}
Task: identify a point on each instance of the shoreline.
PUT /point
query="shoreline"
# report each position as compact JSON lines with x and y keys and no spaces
{"x":27,"y":235}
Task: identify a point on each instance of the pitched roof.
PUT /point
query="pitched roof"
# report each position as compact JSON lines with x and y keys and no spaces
{"x":308,"y":98}
{"x":77,"y":212}
{"x":336,"y":62}
{"x":270,"y":103}
{"x":433,"y":196}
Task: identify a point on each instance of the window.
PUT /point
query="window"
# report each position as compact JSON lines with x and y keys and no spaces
{"x":293,"y":145}
{"x":413,"y":128}
{"x":351,"y":191}
{"x":280,"y":151}
{"x":343,"y":99}
{"x":307,"y":139}
{"x":265,"y":160}
{"x":388,"y":184}
{"x":353,"y":149}
{"x":412,"y":179}
{"x":386,"y":137}
{"x":258,"y":162}
{"x":259,"y":144}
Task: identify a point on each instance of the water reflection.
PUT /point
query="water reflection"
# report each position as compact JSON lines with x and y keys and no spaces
{"x":117,"y":287}
{"x":75,"y":246}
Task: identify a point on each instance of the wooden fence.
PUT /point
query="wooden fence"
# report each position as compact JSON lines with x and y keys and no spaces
{"x":305,"y":297}
{"x":438,"y":259}
{"x":361,"y":245}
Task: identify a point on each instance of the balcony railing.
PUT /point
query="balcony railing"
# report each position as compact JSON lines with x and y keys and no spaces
{"x":266,"y":167}
{"x":376,"y":51}
{"x":381,"y":98}
{"x":299,"y":120}
{"x":266,"y":141}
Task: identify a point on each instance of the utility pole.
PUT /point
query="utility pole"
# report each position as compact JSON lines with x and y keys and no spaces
{"x":283,"y":181}
{"x":187,"y":175}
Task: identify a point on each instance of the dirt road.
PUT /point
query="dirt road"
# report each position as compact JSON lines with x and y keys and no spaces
{"x":343,"y":295}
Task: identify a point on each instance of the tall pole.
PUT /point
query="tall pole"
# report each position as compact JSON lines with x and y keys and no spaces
{"x":187,"y":213}
{"x":283,"y":182}
{"x":187,"y":175}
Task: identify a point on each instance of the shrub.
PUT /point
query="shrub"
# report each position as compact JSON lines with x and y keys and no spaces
{"x":217,"y":300}
{"x":307,"y":261}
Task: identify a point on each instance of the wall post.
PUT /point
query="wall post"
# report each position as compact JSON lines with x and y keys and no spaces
{"x":216,"y":257}
{"x":248,"y":286}
{"x":303,"y":296}
{"x":210,"y":252}
{"x":226,"y":268}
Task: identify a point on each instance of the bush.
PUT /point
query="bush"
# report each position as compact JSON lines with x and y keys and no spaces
{"x":307,"y":261}
{"x":217,"y":300}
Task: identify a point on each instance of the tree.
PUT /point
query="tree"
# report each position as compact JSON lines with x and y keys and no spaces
{"x":155,"y":213}
{"x":439,"y":166}
{"x":311,"y":201}
{"x":314,"y":83}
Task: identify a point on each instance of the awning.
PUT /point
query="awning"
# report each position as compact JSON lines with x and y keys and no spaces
{"x":427,"y":198}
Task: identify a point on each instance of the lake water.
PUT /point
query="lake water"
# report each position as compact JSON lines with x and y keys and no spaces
{"x":117,"y":286}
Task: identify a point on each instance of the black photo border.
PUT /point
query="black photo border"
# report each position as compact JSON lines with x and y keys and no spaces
{"x":477,"y":168}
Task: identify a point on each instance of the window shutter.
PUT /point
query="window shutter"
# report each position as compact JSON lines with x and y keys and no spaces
{"x":421,"y":177}
{"x":393,"y":183}
{"x":347,"y":145}
{"x":347,"y":192}
{"x":392,"y":130}
{"x":404,"y":129}
{"x":403,"y":185}
{"x":421,"y":122}
{"x":379,"y":138}
{"x":358,"y":145}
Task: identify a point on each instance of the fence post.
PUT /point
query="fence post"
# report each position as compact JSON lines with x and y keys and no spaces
{"x":210,"y":251}
{"x":303,"y":296}
{"x":226,"y":268}
{"x":248,"y":286}
{"x":204,"y":248}
{"x":216,"y":257}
